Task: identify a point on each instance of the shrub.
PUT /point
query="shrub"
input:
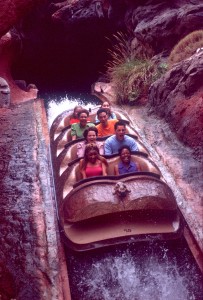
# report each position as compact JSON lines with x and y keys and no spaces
{"x":186,"y":47}
{"x":131,"y":71}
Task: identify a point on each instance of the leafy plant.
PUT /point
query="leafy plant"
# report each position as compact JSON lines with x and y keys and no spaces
{"x":186,"y":47}
{"x":130,"y":70}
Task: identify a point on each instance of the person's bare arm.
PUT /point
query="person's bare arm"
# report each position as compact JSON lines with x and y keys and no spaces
{"x":104,"y":170}
{"x":138,"y":166}
{"x":82,"y":171}
{"x":116,"y":170}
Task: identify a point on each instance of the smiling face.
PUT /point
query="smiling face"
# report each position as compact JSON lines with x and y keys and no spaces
{"x":92,"y":156}
{"x":77,"y":110}
{"x":106,"y":105}
{"x":120,"y":132}
{"x":91,"y":137}
{"x":83,"y":119}
{"x":125,"y":156}
{"x":103,"y":117}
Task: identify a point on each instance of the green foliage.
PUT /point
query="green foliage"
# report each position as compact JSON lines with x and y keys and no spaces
{"x":131,"y":71}
{"x":186,"y":47}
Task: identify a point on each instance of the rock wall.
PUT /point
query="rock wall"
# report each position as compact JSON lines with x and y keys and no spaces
{"x":178,"y":98}
{"x":32,"y":262}
{"x":162,"y":24}
{"x":12,"y":11}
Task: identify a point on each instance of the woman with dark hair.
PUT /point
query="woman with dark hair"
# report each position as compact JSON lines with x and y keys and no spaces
{"x":90,"y":134}
{"x":125,"y":166}
{"x":74,"y":117}
{"x":92,"y":164}
{"x":77,"y":129}
{"x":107,"y":106}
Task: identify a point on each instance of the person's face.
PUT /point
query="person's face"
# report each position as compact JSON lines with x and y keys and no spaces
{"x":125,"y":156}
{"x":103,"y":117}
{"x":76,"y":111}
{"x":83,"y":119}
{"x":91,"y":137}
{"x":120,"y":132}
{"x":92,"y":156}
{"x":106,"y":106}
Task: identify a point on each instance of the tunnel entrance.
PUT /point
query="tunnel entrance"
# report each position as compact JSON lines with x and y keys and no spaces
{"x":56,"y":58}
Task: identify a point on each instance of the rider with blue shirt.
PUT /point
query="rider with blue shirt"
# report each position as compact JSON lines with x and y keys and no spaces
{"x":119,"y":139}
{"x":126,"y":165}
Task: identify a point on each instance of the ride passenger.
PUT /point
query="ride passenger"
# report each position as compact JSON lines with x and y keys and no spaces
{"x":111,"y":115}
{"x":90,"y":134}
{"x":126,"y":165}
{"x":74,"y":117}
{"x":105,"y":127}
{"x":77,"y":129}
{"x":92,"y":164}
{"x":119,"y":139}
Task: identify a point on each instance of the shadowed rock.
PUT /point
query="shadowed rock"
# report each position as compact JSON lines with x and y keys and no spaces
{"x":177,"y":97}
{"x":4,"y":93}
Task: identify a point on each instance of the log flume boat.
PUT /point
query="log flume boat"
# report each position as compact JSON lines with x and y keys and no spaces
{"x":106,"y":210}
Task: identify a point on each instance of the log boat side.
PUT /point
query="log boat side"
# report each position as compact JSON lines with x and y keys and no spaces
{"x":93,"y":215}
{"x":98,"y":197}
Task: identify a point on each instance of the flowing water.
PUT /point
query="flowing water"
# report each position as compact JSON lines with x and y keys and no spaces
{"x":141,"y":271}
{"x":144,"y":271}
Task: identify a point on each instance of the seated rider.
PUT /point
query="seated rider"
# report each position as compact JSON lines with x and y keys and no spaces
{"x":111,"y":115}
{"x":92,"y":164}
{"x":77,"y":129}
{"x":74,"y":117}
{"x":126,"y":165}
{"x":106,"y":127}
{"x":119,"y":139}
{"x":90,"y":134}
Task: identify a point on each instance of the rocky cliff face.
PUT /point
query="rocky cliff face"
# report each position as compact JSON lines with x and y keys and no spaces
{"x":177,"y":97}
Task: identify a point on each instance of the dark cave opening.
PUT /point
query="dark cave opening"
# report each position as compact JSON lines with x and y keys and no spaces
{"x":58,"y":59}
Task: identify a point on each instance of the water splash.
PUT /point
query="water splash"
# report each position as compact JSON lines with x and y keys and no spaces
{"x":140,"y":272}
{"x":56,"y":104}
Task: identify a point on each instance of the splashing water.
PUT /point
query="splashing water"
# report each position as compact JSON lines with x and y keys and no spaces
{"x":58,"y":104}
{"x":146,"y":271}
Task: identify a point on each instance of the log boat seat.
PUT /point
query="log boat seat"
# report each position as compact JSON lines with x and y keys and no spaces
{"x":69,"y":154}
{"x":74,"y":175}
{"x":145,"y":165}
